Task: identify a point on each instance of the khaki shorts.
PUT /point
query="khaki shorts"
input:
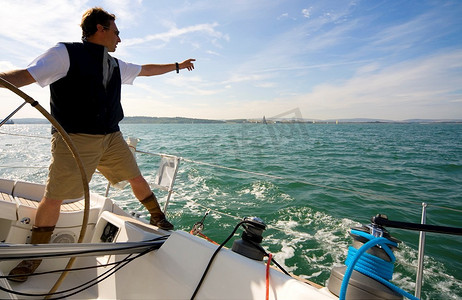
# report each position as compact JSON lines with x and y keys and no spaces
{"x":109,"y":154}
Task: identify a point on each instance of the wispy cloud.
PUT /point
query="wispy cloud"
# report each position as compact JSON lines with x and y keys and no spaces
{"x":126,"y":11}
{"x":410,"y":33}
{"x":174,"y":32}
{"x":306,"y":12}
{"x":402,"y":89}
{"x":24,"y":21}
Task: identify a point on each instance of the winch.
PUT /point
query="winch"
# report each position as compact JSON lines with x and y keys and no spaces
{"x":373,"y":266}
{"x":251,"y":237}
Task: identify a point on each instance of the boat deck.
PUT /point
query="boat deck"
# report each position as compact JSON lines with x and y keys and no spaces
{"x":29,"y":195}
{"x":32,"y":203}
{"x":67,"y":207}
{"x":18,"y":206}
{"x":6,"y":197}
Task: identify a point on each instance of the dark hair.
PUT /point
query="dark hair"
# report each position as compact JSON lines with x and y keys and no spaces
{"x":93,"y":17}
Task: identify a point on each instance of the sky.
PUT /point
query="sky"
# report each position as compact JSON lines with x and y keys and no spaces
{"x":319,"y":59}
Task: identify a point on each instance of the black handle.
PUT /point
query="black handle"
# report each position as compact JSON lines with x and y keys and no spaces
{"x":379,"y":220}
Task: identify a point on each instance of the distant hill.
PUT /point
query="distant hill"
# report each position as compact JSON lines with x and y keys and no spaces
{"x":133,"y":120}
{"x":433,"y":121}
{"x":364,"y":120}
{"x":358,"y":120}
{"x":176,"y":120}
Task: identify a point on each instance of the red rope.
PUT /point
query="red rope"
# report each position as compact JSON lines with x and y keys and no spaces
{"x":203,"y":236}
{"x":270,"y":256}
{"x":207,"y":238}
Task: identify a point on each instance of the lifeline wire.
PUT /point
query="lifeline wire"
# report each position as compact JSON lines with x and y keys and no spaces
{"x":307,"y":183}
{"x":12,"y":114}
{"x":275,"y":177}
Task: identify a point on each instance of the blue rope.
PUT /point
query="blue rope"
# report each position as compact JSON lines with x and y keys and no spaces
{"x":370,"y":265}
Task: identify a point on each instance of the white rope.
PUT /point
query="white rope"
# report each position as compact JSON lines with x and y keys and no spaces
{"x":217,"y":211}
{"x":25,"y":135}
{"x":369,"y":195}
{"x":22,"y":167}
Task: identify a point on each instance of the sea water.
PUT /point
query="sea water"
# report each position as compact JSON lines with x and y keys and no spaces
{"x":309,"y":182}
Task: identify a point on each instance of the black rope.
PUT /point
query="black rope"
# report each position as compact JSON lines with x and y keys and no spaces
{"x":258,"y":246}
{"x":78,"y":289}
{"x":92,"y":251}
{"x":212,"y":258}
{"x":103,"y":276}
{"x":125,"y":260}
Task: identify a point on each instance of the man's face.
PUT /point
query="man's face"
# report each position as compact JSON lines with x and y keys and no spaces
{"x":111,"y":36}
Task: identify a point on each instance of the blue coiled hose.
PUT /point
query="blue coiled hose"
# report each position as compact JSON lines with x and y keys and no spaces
{"x":370,"y":265}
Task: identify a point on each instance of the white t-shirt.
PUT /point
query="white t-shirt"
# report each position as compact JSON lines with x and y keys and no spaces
{"x":54,"y":65}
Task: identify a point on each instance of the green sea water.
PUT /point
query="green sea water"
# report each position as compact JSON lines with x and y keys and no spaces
{"x":309,"y":182}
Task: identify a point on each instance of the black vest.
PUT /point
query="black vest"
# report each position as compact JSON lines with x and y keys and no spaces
{"x":79,"y":101}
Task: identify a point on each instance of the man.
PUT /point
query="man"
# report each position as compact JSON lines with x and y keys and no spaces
{"x":85,"y":85}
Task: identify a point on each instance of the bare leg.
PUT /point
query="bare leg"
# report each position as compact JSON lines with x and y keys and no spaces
{"x":47,"y":212}
{"x":140,"y":187}
{"x":143,"y":192}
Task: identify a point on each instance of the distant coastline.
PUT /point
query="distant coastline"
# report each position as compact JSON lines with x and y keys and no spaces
{"x":181,"y":120}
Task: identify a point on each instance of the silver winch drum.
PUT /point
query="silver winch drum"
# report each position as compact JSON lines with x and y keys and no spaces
{"x":361,"y":286}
